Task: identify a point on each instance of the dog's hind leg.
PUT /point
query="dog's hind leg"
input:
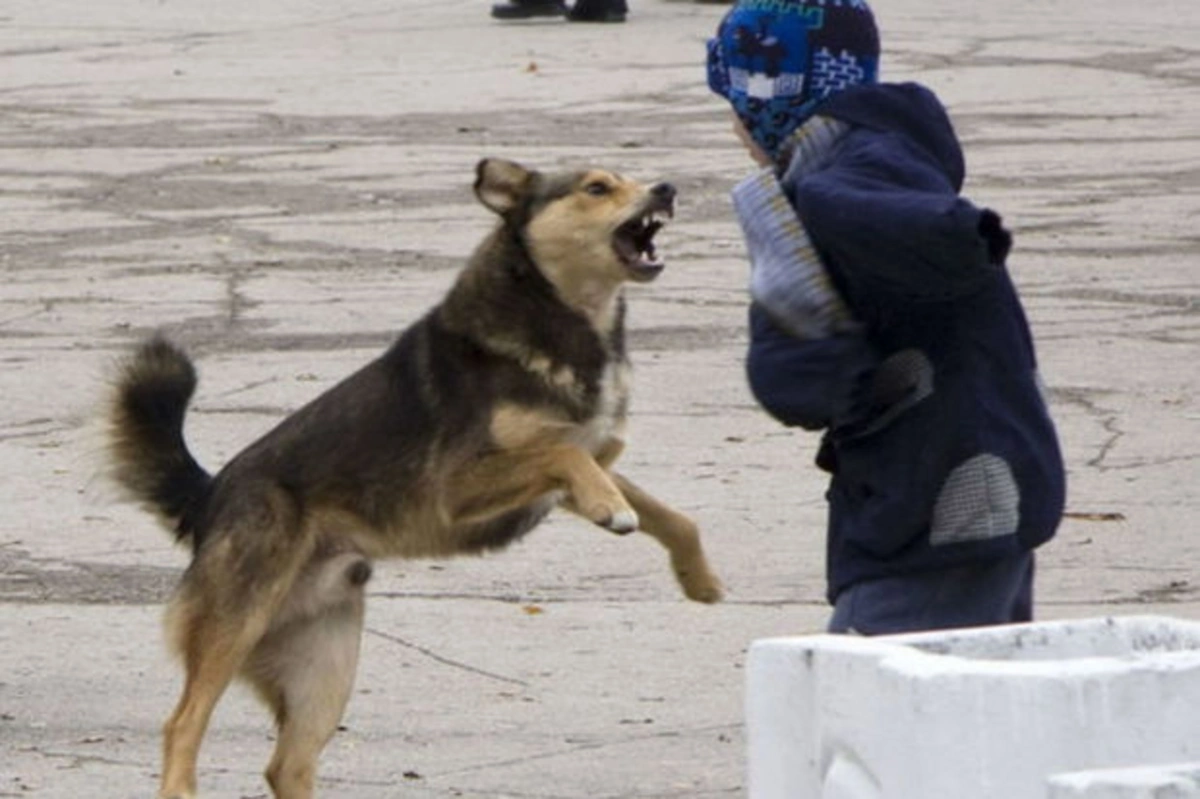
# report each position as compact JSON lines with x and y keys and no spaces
{"x":681,"y":538}
{"x":213,"y":650}
{"x":304,"y":667}
{"x":222,"y":611}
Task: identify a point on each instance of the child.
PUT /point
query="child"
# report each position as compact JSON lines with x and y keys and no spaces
{"x":882,"y":313}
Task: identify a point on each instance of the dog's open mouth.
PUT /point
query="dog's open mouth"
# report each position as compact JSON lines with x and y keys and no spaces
{"x":634,"y":240}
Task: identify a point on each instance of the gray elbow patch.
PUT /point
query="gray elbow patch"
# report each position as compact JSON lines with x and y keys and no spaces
{"x":901,"y":381}
{"x":979,"y":500}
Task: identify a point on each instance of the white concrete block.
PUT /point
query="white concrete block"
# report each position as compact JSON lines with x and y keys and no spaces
{"x":1175,"y":781}
{"x":987,"y":713}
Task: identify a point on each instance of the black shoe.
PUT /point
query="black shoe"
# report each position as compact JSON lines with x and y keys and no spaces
{"x":528,"y":9}
{"x":598,"y":11}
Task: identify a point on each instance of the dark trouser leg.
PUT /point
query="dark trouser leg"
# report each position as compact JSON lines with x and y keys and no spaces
{"x":977,"y":594}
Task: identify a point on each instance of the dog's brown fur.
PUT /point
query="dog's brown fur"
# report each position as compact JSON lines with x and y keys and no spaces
{"x":504,"y":401}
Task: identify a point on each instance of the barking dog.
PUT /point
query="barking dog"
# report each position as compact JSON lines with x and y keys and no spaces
{"x":505,"y":400}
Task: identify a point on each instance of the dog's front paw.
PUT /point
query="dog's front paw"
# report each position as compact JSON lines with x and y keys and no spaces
{"x":709,"y":591}
{"x":622,"y":522}
{"x":700,"y":584}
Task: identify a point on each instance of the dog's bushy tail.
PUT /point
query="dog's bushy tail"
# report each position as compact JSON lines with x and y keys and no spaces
{"x":150,"y":458}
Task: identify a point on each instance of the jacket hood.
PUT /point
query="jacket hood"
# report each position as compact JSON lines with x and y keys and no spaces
{"x":908,"y":109}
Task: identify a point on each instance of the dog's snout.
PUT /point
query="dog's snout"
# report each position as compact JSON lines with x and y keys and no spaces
{"x":663,"y":191}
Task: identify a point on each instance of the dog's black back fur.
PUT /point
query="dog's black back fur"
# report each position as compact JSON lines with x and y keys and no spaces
{"x":380,"y":426}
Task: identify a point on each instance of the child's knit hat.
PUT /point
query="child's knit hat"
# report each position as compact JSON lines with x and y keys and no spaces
{"x":775,"y":60}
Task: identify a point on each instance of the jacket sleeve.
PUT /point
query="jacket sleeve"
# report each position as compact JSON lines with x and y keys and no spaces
{"x":808,"y":383}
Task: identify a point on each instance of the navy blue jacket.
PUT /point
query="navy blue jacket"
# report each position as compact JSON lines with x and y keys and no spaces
{"x":938,"y":438}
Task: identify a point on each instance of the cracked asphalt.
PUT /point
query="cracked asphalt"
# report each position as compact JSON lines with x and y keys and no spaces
{"x":283,"y":185}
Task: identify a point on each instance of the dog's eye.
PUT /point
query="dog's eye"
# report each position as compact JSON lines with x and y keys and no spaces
{"x":597,"y":189}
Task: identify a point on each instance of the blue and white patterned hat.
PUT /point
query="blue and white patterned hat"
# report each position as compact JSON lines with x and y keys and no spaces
{"x":775,"y":60}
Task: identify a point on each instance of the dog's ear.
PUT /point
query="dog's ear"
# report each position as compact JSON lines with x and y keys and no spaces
{"x":501,"y":185}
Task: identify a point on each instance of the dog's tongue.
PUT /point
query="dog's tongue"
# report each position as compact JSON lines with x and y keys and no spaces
{"x":647,"y":260}
{"x":646,"y":263}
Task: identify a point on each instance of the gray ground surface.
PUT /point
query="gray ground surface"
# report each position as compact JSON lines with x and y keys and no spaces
{"x":284,"y":184}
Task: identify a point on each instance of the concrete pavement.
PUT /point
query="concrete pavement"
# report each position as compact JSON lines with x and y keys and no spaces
{"x":282,"y":185}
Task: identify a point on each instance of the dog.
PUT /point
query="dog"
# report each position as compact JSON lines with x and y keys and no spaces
{"x":505,"y":400}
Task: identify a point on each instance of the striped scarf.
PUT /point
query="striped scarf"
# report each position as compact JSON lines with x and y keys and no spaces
{"x":787,"y":277}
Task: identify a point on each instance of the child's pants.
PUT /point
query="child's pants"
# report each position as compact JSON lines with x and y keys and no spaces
{"x":991,"y":592}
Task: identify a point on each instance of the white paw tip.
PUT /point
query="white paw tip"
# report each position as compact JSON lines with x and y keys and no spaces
{"x":623,"y":521}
